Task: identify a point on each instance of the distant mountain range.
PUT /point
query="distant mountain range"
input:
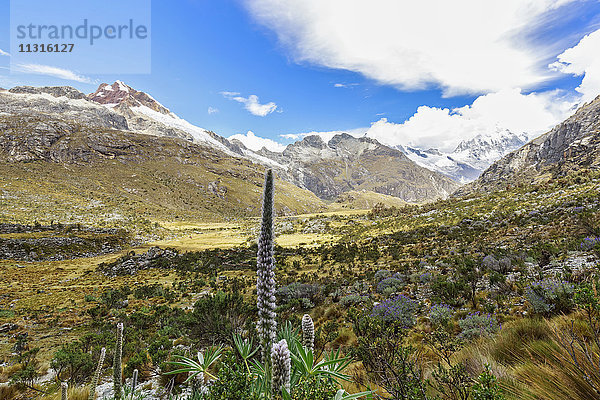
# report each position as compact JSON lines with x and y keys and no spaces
{"x":122,"y":129}
{"x":470,"y":158}
{"x":118,"y":152}
{"x":346,"y":163}
{"x":570,"y":146}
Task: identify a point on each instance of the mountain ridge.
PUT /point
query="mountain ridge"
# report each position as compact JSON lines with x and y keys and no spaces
{"x":329,"y":169}
{"x":571,"y":145}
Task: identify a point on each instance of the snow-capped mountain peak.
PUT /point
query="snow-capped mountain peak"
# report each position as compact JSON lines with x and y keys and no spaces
{"x":120,"y":93}
{"x":484,"y":149}
{"x":471,"y":157}
{"x":146,"y":115}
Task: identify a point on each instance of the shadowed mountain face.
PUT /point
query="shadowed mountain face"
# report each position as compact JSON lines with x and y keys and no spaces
{"x":63,"y":125}
{"x":571,"y":145}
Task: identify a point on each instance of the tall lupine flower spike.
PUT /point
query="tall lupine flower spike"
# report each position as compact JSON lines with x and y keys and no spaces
{"x":134,"y":381}
{"x":96,"y":376}
{"x":63,"y":391}
{"x":281,"y":361}
{"x":308,"y":332}
{"x":117,"y":373}
{"x":265,"y":280}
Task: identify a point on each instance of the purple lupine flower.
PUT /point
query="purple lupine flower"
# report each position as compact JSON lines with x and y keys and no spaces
{"x":589,"y":243}
{"x":544,"y":296}
{"x":265,"y":280}
{"x":440,"y":314}
{"x":400,"y":309}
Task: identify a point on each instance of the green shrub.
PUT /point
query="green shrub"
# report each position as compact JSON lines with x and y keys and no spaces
{"x":550,"y":296}
{"x":72,"y":363}
{"x":216,"y":318}
{"x":487,"y":387}
{"x":232,"y":383}
{"x":314,"y":388}
{"x":353,"y":300}
{"x":440,"y":315}
{"x":476,"y":325}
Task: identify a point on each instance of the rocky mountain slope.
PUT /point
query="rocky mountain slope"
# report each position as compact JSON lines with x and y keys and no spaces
{"x":58,"y":170}
{"x":570,"y":146}
{"x":326,"y":169}
{"x":347,"y":163}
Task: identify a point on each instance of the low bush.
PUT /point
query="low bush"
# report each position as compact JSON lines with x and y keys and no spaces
{"x":550,"y":296}
{"x":476,"y":325}
{"x":440,"y":315}
{"x":390,"y":285}
{"x":353,"y":300}
{"x":400,"y":310}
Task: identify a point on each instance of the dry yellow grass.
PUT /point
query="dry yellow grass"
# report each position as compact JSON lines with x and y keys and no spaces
{"x":304,"y":239}
{"x":203,"y":241}
{"x":54,"y":293}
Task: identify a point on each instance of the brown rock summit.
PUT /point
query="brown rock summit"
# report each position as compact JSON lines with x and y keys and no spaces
{"x":119,"y":93}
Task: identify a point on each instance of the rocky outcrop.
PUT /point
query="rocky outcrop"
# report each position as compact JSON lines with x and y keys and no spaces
{"x":31,"y":138}
{"x":120,"y":93}
{"x":572,"y":145}
{"x":63,"y":102}
{"x":56,"y":91}
{"x":348,"y":163}
{"x":132,"y":263}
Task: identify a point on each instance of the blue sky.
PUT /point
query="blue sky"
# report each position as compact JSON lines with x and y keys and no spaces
{"x":321,"y":78}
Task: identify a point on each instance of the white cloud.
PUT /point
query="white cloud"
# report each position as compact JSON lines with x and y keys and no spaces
{"x":3,"y":53}
{"x":345,"y":85}
{"x":467,"y":46}
{"x":291,"y":136}
{"x":583,"y":59}
{"x":212,"y":110}
{"x":325,"y":135}
{"x":252,"y":104}
{"x":532,"y":114}
{"x":253,"y":142}
{"x":53,"y":71}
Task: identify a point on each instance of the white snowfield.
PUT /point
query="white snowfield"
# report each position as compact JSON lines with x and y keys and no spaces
{"x":263,"y":160}
{"x":82,"y":103}
{"x":172,"y":120}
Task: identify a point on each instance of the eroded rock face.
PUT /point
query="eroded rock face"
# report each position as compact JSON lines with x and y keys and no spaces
{"x":349,"y":163}
{"x":62,"y":101}
{"x":56,"y":91}
{"x":131,"y":264}
{"x":31,"y":138}
{"x":569,"y":146}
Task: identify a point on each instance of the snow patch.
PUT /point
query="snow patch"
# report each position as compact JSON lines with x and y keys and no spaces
{"x":263,"y":160}
{"x":172,"y":120}
{"x":123,"y":87}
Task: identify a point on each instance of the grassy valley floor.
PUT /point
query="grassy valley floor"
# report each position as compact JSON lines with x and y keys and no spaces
{"x":477,"y":254}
